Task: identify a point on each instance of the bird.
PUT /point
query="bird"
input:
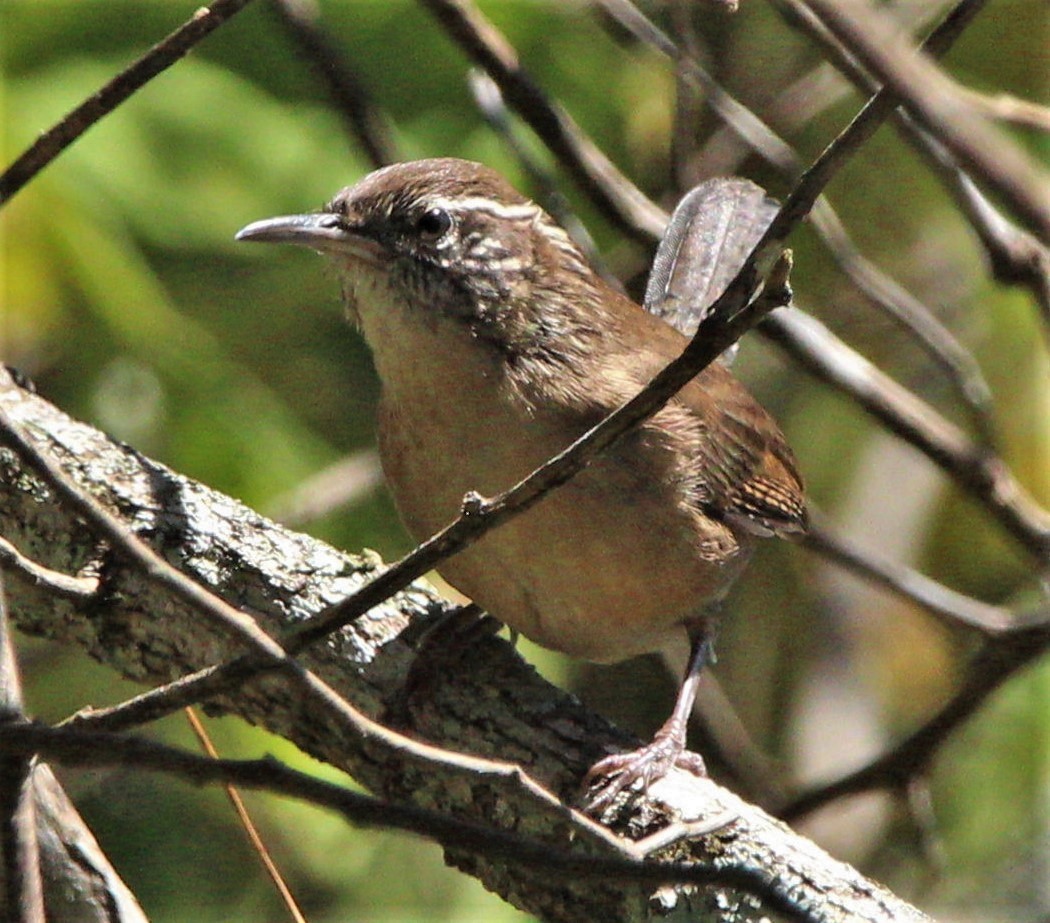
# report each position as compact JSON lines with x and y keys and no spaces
{"x":497,"y":344}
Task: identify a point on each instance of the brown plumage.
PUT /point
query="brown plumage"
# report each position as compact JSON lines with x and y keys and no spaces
{"x":496,"y":346}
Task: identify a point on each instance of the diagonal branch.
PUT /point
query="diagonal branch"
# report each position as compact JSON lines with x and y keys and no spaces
{"x":949,"y":605}
{"x":937,"y":104}
{"x":158,"y":59}
{"x":975,"y":469}
{"x":475,"y":697}
{"x":351,"y":98}
{"x":616,"y":195}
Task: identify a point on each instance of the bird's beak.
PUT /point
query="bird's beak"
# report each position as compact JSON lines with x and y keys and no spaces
{"x":323,"y":231}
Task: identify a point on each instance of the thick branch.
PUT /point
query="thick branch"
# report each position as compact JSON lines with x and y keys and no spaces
{"x":477,"y":697}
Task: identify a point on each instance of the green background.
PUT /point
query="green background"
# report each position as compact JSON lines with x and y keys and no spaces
{"x":125,"y":298}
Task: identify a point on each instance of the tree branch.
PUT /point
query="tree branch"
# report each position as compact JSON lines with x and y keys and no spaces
{"x":935,"y":102}
{"x":352,"y":100}
{"x":980,"y":472}
{"x":621,"y":201}
{"x":469,"y":698}
{"x":23,"y":886}
{"x":158,"y":59}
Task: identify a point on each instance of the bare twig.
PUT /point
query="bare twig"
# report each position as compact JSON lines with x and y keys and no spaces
{"x":616,"y":195}
{"x":933,"y":337}
{"x":160,"y":57}
{"x":23,"y":887}
{"x":824,"y":86}
{"x":936,"y":598}
{"x":1016,"y":257}
{"x":77,"y":747}
{"x":983,"y":474}
{"x":688,"y":101}
{"x":255,"y":840}
{"x":934,"y":100}
{"x":351,"y":98}
{"x":999,"y":659}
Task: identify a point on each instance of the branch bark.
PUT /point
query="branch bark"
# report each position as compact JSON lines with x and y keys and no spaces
{"x":476,"y":697}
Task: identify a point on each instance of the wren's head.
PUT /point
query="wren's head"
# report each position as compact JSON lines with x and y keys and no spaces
{"x":448,"y":238}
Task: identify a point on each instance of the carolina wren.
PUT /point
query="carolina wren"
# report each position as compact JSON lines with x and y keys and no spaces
{"x":497,"y":345}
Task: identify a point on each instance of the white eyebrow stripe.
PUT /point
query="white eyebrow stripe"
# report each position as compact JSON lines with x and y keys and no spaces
{"x":529,"y":211}
{"x":489,"y":206}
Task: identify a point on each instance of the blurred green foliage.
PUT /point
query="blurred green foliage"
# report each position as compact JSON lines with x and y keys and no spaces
{"x":125,"y":298}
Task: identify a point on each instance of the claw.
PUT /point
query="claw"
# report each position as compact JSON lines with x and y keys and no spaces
{"x":657,"y":759}
{"x":646,"y":765}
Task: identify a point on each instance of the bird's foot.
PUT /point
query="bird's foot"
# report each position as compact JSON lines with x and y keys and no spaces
{"x":613,"y":774}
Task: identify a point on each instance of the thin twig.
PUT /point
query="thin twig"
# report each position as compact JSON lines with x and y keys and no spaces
{"x":998,"y":660}
{"x":688,"y":101}
{"x":620,"y":200}
{"x":980,"y":472}
{"x":751,"y":129}
{"x":935,"y":102}
{"x":351,"y":98}
{"x":1016,"y":257}
{"x":822,"y":87}
{"x":936,"y":340}
{"x":160,"y":57}
{"x":1005,"y":107}
{"x":255,"y":840}
{"x":956,"y":608}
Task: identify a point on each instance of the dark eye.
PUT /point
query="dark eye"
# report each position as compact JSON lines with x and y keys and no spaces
{"x":433,"y":223}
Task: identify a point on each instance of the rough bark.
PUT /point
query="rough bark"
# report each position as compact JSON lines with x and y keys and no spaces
{"x":475,"y":696}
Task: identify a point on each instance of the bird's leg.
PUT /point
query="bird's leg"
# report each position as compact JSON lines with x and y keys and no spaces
{"x":667,"y":749}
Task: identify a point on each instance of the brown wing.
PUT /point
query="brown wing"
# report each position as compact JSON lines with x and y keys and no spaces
{"x":743,"y":460}
{"x":743,"y":470}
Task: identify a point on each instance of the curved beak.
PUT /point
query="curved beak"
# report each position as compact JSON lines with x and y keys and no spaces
{"x":322,"y":231}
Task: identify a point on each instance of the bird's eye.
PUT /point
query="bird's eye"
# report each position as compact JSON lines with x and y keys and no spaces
{"x":433,"y":223}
